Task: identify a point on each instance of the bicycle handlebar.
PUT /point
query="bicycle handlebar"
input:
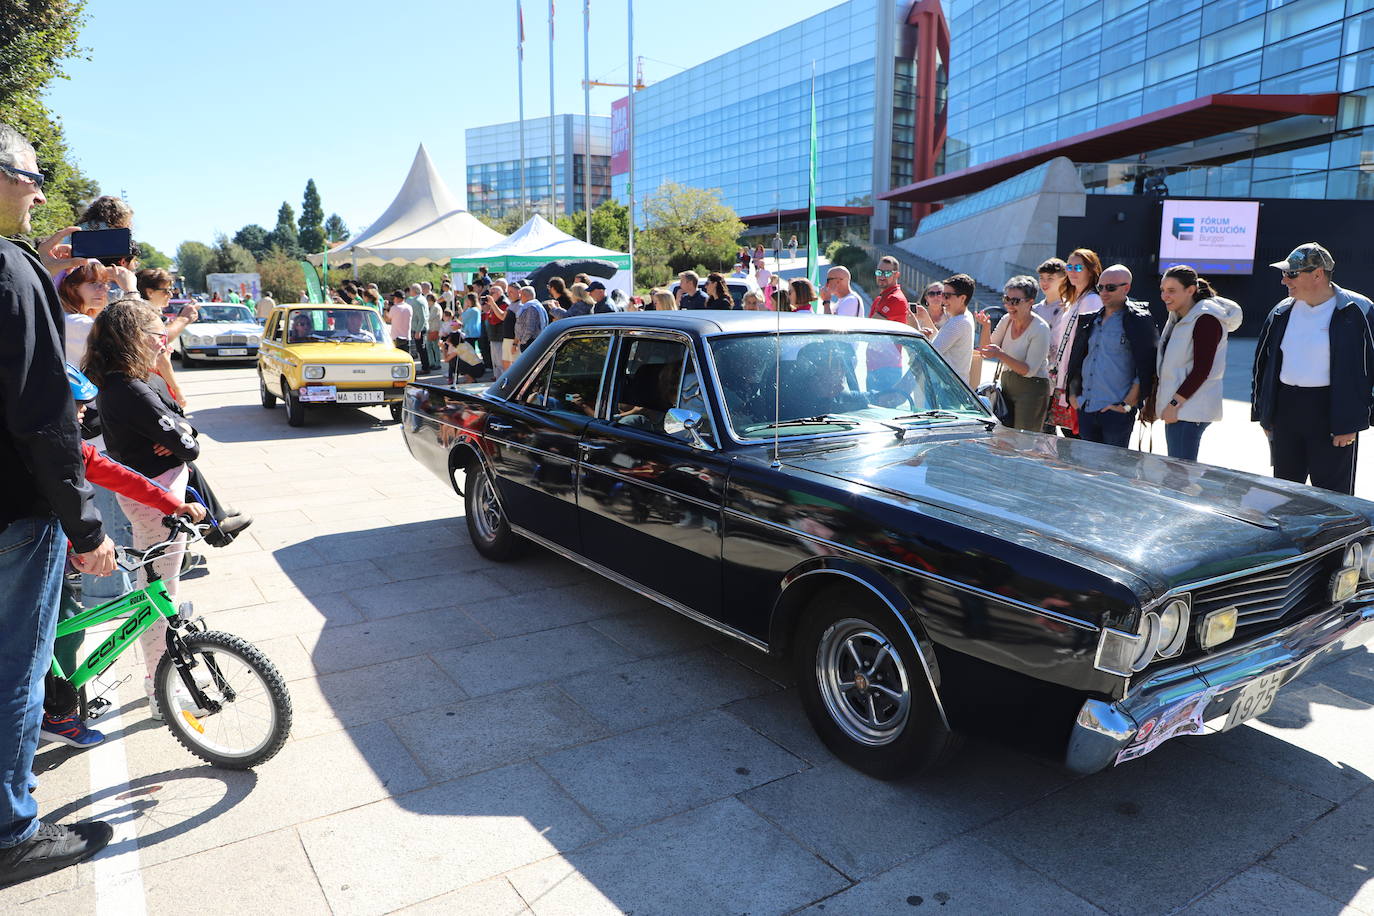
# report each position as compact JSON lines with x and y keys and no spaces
{"x":130,"y":560}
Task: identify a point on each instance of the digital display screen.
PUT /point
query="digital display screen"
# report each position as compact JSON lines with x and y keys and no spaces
{"x":1211,"y":236}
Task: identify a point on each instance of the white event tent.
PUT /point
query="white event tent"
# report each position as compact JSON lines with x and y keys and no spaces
{"x":424,"y":223}
{"x":532,"y":246}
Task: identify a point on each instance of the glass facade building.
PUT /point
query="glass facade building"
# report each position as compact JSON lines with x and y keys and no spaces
{"x":493,"y":165}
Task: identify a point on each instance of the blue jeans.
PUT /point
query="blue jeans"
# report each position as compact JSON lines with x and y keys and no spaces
{"x":1111,"y":427}
{"x":99,"y":589}
{"x":1183,"y":438}
{"x":32,"y":551}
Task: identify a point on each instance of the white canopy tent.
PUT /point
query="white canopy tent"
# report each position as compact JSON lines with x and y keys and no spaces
{"x":424,"y":223}
{"x":532,"y":246}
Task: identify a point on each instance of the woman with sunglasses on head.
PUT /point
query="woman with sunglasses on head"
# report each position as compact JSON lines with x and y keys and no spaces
{"x":1192,"y":359}
{"x":146,"y":431}
{"x":1021,"y":343}
{"x":1077,"y":293}
{"x":84,"y":292}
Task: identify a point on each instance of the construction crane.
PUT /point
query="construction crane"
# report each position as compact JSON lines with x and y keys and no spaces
{"x":639,"y":79}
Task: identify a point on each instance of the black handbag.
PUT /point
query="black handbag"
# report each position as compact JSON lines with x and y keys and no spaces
{"x":996,"y":399}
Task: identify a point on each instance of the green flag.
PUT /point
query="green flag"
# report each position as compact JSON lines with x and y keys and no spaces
{"x":312,"y":282}
{"x":812,"y":254}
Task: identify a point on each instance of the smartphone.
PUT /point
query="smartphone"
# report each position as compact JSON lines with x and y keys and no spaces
{"x":108,"y":245}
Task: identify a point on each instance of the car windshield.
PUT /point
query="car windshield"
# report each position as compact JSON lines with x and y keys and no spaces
{"x":223,"y":314}
{"x":836,"y":381}
{"x":343,"y":325}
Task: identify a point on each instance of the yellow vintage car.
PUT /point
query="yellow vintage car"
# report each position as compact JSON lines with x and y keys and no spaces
{"x":314,"y":354}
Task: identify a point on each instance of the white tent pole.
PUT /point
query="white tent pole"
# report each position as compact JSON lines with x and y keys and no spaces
{"x":587,"y":118}
{"x":520,"y":80}
{"x":630,"y":123}
{"x":553,"y":179}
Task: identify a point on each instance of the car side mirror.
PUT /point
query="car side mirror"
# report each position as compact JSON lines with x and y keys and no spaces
{"x":679,"y":420}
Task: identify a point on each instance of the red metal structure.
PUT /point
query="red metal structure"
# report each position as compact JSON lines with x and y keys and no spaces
{"x":932,"y":63}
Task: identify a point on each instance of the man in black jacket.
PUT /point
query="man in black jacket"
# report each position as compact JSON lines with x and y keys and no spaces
{"x":44,"y":501}
{"x":1313,"y":382}
{"x":1112,"y":368}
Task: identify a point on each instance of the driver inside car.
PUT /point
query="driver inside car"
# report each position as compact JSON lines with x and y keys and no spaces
{"x":818,"y":382}
{"x":301,"y":329}
{"x":352,"y":326}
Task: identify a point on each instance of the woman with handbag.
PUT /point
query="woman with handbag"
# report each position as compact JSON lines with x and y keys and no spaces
{"x":1021,"y":345}
{"x":1192,"y":359}
{"x":1076,"y":292}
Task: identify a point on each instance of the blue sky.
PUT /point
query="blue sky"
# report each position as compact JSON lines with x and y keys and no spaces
{"x":208,"y":116}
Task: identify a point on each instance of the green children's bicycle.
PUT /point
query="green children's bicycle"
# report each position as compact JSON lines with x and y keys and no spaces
{"x":222,"y":698}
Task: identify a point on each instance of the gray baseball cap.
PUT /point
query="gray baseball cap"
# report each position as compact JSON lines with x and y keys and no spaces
{"x":1305,"y":257}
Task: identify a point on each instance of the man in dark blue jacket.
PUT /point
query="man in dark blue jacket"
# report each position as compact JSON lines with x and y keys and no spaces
{"x":1112,"y":367}
{"x":1313,"y":383}
{"x":44,"y":501}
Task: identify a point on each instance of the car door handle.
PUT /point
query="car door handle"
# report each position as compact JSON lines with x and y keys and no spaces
{"x":589,"y":449}
{"x":498,"y":426}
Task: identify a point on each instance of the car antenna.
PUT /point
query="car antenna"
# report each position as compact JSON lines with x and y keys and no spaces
{"x":777,"y":381}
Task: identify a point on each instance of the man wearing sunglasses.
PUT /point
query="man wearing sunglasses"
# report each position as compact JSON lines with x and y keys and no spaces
{"x":44,"y":503}
{"x":1113,"y":362}
{"x":1313,"y":382}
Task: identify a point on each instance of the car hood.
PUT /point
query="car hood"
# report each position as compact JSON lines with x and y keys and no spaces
{"x":348,"y":352}
{"x":1161,"y":521}
{"x":216,"y":328}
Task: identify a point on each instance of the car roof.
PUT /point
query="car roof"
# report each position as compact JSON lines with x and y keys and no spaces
{"x":709,"y":322}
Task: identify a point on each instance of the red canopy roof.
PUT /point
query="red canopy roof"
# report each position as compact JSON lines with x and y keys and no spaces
{"x":1195,"y":120}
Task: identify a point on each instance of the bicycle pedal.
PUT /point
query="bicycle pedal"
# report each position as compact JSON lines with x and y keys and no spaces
{"x":96,"y":708}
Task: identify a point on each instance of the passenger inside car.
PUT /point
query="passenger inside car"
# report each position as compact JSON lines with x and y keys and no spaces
{"x":301,"y":329}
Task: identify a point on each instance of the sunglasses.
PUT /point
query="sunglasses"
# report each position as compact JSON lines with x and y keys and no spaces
{"x":1012,"y":300}
{"x":1073,"y":268}
{"x":158,"y":335}
{"x":1293,"y":274}
{"x":1110,"y":287}
{"x":35,"y":177}
{"x":883,"y":273}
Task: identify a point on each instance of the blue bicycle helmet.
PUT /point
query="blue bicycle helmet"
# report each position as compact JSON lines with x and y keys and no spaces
{"x":82,"y":388}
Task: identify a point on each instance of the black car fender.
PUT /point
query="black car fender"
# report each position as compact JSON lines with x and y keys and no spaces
{"x":809,"y":577}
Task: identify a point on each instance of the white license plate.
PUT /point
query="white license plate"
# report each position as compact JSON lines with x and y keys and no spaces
{"x":1254,"y":700}
{"x":359,"y":397}
{"x":317,"y":393}
{"x":233,"y":351}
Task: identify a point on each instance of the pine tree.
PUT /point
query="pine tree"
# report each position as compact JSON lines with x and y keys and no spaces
{"x":283,"y":235}
{"x":335,"y":229}
{"x":311,"y":236}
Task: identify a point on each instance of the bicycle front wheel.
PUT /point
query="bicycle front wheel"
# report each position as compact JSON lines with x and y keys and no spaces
{"x":253,"y":717}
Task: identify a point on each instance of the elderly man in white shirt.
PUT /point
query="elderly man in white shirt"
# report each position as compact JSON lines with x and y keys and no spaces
{"x":838,"y":296}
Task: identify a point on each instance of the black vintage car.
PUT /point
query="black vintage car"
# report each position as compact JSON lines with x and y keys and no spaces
{"x":827,"y":490}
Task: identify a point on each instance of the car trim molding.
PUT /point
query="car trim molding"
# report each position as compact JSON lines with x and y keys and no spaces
{"x":626,"y":478}
{"x":901,"y":619}
{"x":884,"y":561}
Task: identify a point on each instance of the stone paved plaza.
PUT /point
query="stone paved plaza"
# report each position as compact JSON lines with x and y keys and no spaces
{"x":528,"y":738}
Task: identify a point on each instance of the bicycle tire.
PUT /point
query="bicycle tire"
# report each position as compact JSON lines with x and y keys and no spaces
{"x":265,"y":688}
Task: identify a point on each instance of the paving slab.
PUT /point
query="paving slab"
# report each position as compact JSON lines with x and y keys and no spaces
{"x":962,"y":876}
{"x":1336,"y":854}
{"x":1121,"y":839}
{"x":269,"y":620}
{"x":461,"y":738}
{"x":780,"y":716}
{"x":656,"y":689}
{"x":545,"y":609}
{"x":495,"y":897}
{"x":503,"y":664}
{"x":429,"y":842}
{"x":443,"y":591}
{"x":217,"y":883}
{"x":640,"y":776}
{"x":359,"y":644}
{"x":371,"y":694}
{"x":655,"y":630}
{"x":1258,"y":891}
{"x":724,"y":859}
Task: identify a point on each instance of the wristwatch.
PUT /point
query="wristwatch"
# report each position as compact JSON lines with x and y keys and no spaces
{"x":1173,"y":402}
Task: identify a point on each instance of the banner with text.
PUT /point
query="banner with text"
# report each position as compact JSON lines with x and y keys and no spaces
{"x":620,"y":136}
{"x":1211,"y":236}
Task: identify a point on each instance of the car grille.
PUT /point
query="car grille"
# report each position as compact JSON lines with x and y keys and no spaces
{"x":1297,"y":588}
{"x":353,"y":373}
{"x":231,"y":340}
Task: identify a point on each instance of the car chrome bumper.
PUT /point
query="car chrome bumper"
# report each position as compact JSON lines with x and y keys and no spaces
{"x":1184,"y":699}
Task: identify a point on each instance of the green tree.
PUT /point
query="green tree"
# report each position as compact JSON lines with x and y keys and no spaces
{"x":255,"y":239}
{"x":283,"y":235}
{"x":506,"y":223}
{"x":193,"y":263}
{"x":148,"y":256}
{"x":230,"y":258}
{"x":311,"y":236}
{"x":610,"y":225}
{"x":281,"y":274}
{"x":685,"y":226}
{"x":36,"y":38}
{"x":335,"y":229}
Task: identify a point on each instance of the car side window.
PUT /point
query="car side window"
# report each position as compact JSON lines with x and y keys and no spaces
{"x":274,"y":328}
{"x":570,"y":383}
{"x":653,"y":377}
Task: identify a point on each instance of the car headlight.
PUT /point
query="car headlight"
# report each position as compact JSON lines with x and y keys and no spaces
{"x":1368,"y":560}
{"x":400,"y":372}
{"x":254,"y":340}
{"x":1354,"y":556}
{"x":199,"y":340}
{"x":1173,"y":626}
{"x":313,"y":372}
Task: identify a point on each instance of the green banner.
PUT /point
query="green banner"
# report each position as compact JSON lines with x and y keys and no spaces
{"x":312,"y":282}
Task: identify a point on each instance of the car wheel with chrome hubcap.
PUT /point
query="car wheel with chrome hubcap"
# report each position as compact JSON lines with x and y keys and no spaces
{"x":487,"y":524}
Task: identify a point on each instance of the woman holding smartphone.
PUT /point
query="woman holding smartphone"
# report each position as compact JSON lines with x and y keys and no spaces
{"x":146,"y":431}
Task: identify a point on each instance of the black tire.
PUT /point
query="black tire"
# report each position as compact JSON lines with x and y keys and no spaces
{"x":188,"y":361}
{"x":488,"y":526}
{"x":396,"y":411}
{"x":901,"y":733}
{"x":253,"y":699}
{"x":295,"y":410}
{"x":269,"y":400}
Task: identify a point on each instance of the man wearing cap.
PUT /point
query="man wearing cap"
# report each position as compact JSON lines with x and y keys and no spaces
{"x":1313,"y":381}
{"x":597,"y":290}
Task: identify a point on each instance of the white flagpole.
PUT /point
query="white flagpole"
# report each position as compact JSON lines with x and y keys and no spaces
{"x":520,"y":79}
{"x":630,"y":123}
{"x":553,"y":170}
{"x":587,"y":117}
